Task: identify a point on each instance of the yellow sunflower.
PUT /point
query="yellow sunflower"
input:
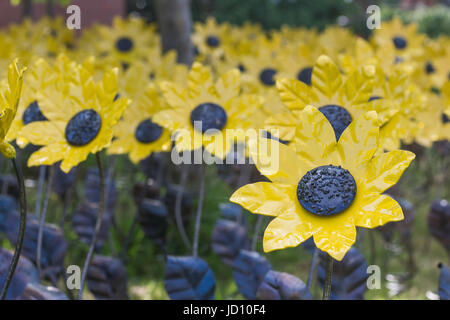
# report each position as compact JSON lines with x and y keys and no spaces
{"x":403,"y":39}
{"x":136,"y":133}
{"x":340,"y":99}
{"x":206,"y":113}
{"x":326,"y":189}
{"x":9,"y":100}
{"x":82,"y":126}
{"x":209,"y":38}
{"x":128,"y":40}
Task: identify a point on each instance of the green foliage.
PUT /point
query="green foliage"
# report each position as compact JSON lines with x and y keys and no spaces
{"x":272,"y":14}
{"x":433,"y":21}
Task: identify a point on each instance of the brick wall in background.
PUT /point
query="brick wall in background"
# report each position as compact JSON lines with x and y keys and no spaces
{"x":92,"y":11}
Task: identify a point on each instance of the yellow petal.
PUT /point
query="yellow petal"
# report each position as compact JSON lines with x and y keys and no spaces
{"x":277,"y":161}
{"x":188,"y":140}
{"x":326,"y":78}
{"x":359,"y":141}
{"x":229,"y":85}
{"x":385,"y":170}
{"x":378,"y":210}
{"x":286,"y":230}
{"x":41,"y":133}
{"x":358,"y":87}
{"x":315,"y":140}
{"x":336,"y":241}
{"x":174,"y":94}
{"x":7,"y":150}
{"x":199,"y":79}
{"x":48,"y":155}
{"x":282,"y":125}
{"x":295,"y":94}
{"x":270,"y":199}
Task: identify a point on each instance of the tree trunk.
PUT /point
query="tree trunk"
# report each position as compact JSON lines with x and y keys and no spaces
{"x":27,"y":9}
{"x":175,"y":25}
{"x":50,"y":8}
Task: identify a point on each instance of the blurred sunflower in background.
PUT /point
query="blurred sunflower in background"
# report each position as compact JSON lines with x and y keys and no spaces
{"x":209,"y":39}
{"x":136,"y":133}
{"x":327,"y":188}
{"x":126,"y":41}
{"x":403,"y":39}
{"x":206,"y":111}
{"x":83,"y":126}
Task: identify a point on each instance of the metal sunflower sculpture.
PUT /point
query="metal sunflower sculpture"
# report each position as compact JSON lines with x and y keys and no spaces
{"x":136,"y":133}
{"x":340,"y":99}
{"x":205,"y":112}
{"x":209,"y":39}
{"x":403,"y":39}
{"x":327,"y":188}
{"x":10,"y":91}
{"x":83,"y":126}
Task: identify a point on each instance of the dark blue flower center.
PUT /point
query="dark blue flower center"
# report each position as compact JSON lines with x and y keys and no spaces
{"x":267,"y":76}
{"x":326,"y":190}
{"x":375,"y":98}
{"x":241,"y":67}
{"x":338,"y":117}
{"x":429,"y":68}
{"x":212,"y":41}
{"x":33,"y":113}
{"x":305,"y":75}
{"x":83,"y":127}
{"x":124,"y":44}
{"x":400,"y":42}
{"x":148,"y":131}
{"x":208,"y":116}
{"x":445,"y":118}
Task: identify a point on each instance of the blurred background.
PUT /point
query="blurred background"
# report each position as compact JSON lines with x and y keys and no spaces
{"x":433,"y":16}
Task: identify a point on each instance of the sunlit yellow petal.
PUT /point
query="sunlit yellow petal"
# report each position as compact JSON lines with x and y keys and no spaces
{"x":378,"y":210}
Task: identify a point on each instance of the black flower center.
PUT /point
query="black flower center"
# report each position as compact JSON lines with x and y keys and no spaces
{"x":83,"y":127}
{"x":33,"y":113}
{"x":241,"y":67}
{"x":305,"y":75}
{"x":338,"y":117}
{"x":429,"y":68}
{"x":212,"y":41}
{"x":148,"y":131}
{"x":375,"y":98}
{"x":124,"y":44}
{"x":208,"y":116}
{"x":445,"y":118}
{"x":400,"y":42}
{"x":326,"y":190}
{"x":267,"y":76}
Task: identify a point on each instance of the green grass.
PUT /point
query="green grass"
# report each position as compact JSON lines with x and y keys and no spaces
{"x":424,"y":181}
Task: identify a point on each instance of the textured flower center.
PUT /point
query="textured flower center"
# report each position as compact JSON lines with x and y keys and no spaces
{"x":326,"y":190}
{"x":33,"y":113}
{"x":267,"y":76}
{"x":208,"y":116}
{"x":212,"y":41}
{"x":338,"y":117}
{"x":400,"y":42}
{"x":429,"y":68}
{"x":83,"y":127}
{"x":375,"y":98}
{"x":148,"y":131}
{"x":305,"y":75}
{"x":124,"y":44}
{"x":445,"y":118}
